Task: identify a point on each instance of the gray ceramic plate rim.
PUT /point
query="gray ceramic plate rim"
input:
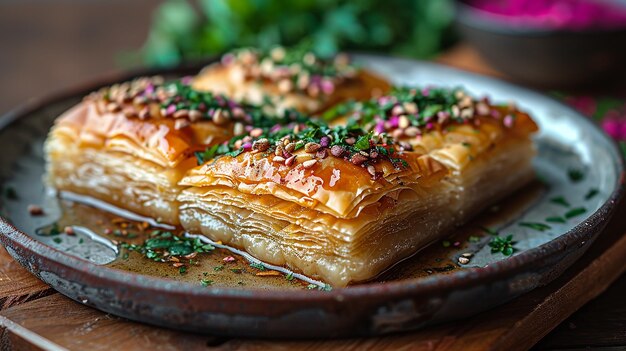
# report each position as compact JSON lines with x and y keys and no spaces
{"x":458,"y":279}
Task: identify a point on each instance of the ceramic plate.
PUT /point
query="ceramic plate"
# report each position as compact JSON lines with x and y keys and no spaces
{"x":552,"y":222}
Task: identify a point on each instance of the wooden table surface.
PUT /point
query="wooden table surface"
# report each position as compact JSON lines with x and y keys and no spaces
{"x":48,"y":45}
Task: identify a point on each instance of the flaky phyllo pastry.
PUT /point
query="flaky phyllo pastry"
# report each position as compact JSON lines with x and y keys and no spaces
{"x":294,"y":78}
{"x":343,"y":204}
{"x":130,"y":144}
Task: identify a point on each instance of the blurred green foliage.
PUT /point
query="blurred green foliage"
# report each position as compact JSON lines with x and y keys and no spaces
{"x":188,"y":30}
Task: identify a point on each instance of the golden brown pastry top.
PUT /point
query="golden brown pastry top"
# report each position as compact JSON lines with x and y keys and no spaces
{"x":290,"y":78}
{"x":336,"y":170}
{"x":163,"y":123}
{"x":449,"y":124}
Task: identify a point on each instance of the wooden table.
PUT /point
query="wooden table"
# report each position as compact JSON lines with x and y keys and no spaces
{"x":33,"y":316}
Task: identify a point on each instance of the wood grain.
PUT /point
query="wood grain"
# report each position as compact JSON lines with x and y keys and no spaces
{"x":17,"y":285}
{"x":70,"y":325}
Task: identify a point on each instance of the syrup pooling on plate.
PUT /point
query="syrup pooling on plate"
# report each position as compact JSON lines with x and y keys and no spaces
{"x":145,"y":249}
{"x":220,"y":266}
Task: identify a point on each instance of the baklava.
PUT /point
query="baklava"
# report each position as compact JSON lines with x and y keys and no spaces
{"x":478,"y":141}
{"x":130,"y":144}
{"x":344,"y":203}
{"x":289,"y":78}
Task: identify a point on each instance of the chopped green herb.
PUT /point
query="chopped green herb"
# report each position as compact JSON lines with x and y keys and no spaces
{"x":10,"y":193}
{"x":575,"y":212}
{"x":207,"y":154}
{"x":182,"y":270}
{"x":473,"y":239}
{"x":206,"y":282}
{"x":555,"y":219}
{"x":258,"y":266}
{"x":289,"y":276}
{"x":80,"y":241}
{"x":535,"y":225}
{"x":218,"y":268}
{"x":205,"y":273}
{"x":326,"y":287}
{"x":364,"y":142}
{"x":161,"y":242}
{"x":575,"y":175}
{"x":560,"y":200}
{"x":504,"y":245}
{"x":52,"y":231}
{"x":57,"y":240}
{"x":236,"y":270}
{"x":591,"y":193}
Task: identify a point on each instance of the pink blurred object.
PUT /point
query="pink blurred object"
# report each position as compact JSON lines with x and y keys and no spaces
{"x":615,"y":126}
{"x":555,"y":14}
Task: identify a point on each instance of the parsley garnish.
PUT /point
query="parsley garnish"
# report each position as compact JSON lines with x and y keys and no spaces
{"x":503,"y":245}
{"x":289,"y":276}
{"x":591,"y":194}
{"x":161,"y":242}
{"x":326,"y":287}
{"x":10,"y":193}
{"x":258,"y":266}
{"x":575,"y":212}
{"x":555,"y":219}
{"x":218,"y":268}
{"x":560,"y":200}
{"x":575,"y":175}
{"x":535,"y":225}
{"x":52,"y":231}
{"x":206,"y":282}
{"x":364,"y":142}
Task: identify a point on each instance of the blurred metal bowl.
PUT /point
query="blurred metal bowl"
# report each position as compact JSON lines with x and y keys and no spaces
{"x":543,"y":57}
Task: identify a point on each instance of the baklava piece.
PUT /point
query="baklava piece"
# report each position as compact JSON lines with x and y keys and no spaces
{"x":131,"y":143}
{"x":346,"y":202}
{"x":289,"y":78}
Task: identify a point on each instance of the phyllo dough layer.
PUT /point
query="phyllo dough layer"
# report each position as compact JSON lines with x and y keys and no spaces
{"x":289,"y":78}
{"x":316,"y":202}
{"x":330,"y":212}
{"x":475,"y":139}
{"x":130,"y":144}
